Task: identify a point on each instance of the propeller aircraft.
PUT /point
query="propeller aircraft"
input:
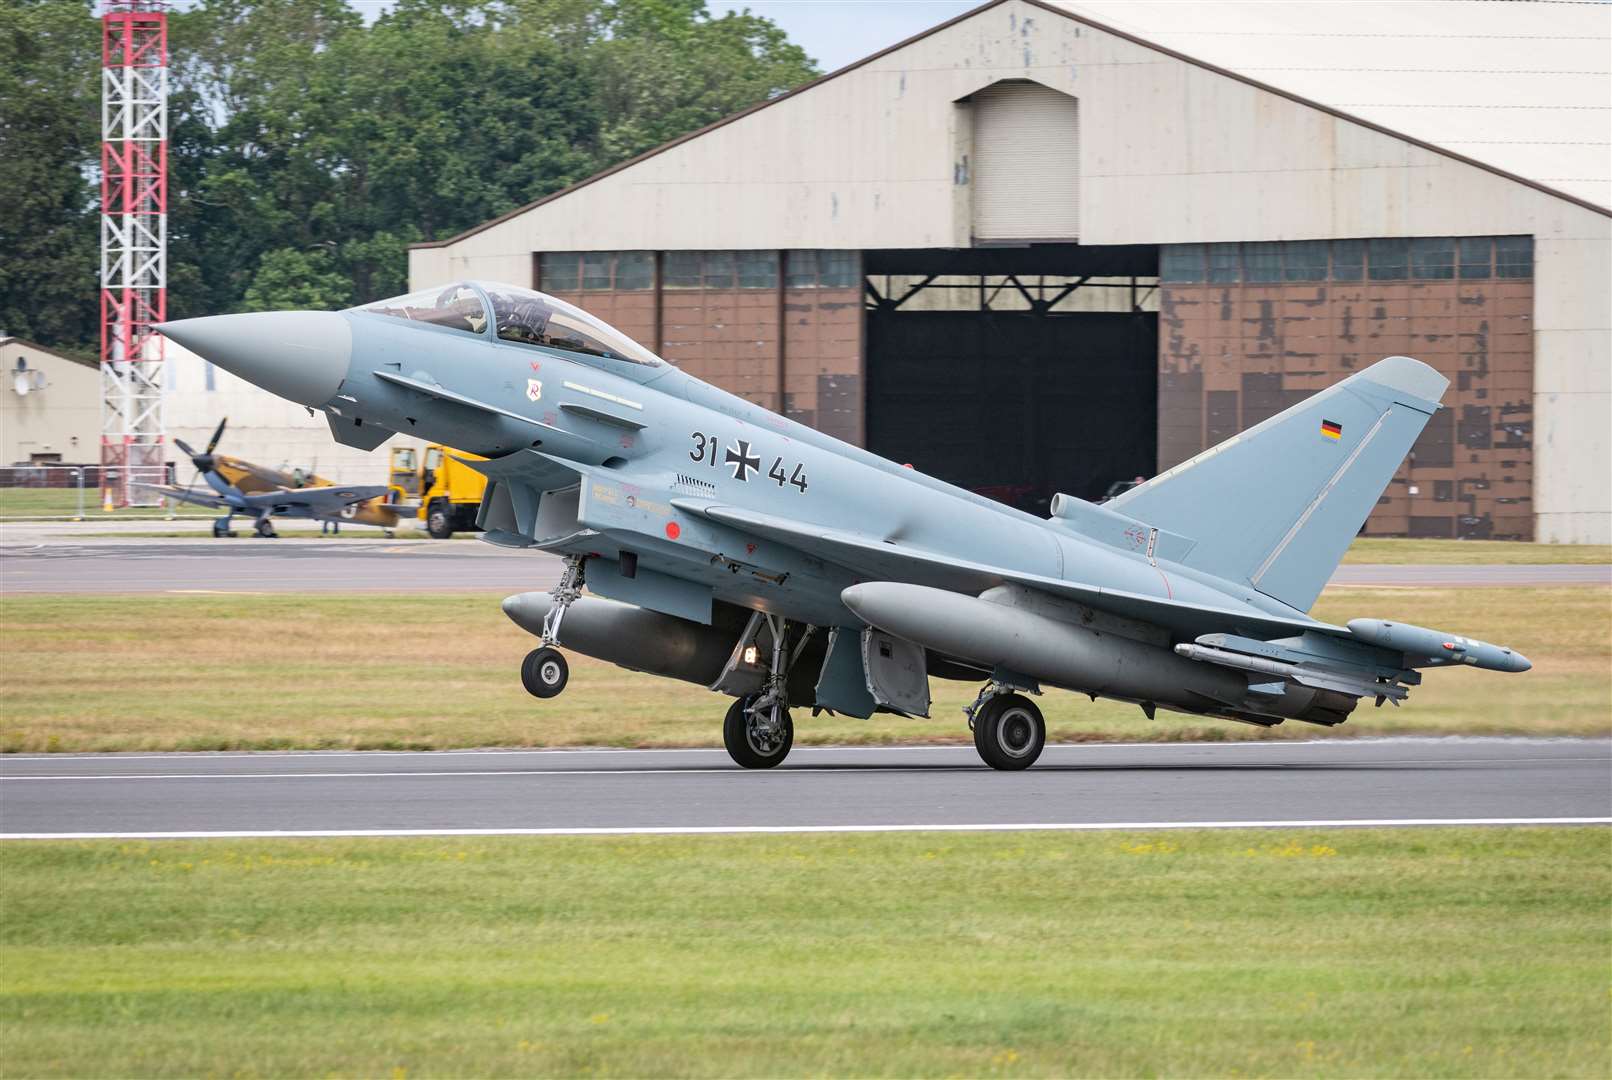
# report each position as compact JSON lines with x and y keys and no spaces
{"x":240,"y":487}
{"x":724,"y":545}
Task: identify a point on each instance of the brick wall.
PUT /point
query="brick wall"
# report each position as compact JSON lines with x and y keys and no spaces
{"x":1236,"y":346}
{"x":719,"y":315}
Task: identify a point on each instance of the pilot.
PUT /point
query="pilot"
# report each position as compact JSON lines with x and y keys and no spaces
{"x":522,"y":320}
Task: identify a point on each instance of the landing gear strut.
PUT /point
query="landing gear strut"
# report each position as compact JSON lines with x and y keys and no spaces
{"x":544,"y":672}
{"x":1009,"y":731}
{"x":221,"y":526}
{"x":757,"y":730}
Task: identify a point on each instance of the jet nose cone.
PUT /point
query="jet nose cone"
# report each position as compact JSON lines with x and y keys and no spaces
{"x":299,"y":355}
{"x":1519,"y":662}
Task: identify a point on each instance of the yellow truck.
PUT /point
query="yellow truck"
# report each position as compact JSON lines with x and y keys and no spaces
{"x":429,"y":485}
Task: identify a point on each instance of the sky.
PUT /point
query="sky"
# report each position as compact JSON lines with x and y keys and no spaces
{"x":839,"y":32}
{"x":833,"y":32}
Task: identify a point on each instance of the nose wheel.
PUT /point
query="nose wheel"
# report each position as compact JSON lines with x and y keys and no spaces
{"x":544,"y":672}
{"x":1009,"y":731}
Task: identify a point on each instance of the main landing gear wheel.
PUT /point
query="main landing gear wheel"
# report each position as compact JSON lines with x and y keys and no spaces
{"x":757,"y":741}
{"x":544,"y":672}
{"x":265,"y":529}
{"x":221,"y":527}
{"x":1009,"y":732}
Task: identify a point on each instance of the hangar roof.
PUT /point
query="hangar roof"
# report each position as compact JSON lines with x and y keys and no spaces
{"x":1524,"y":87}
{"x":1208,"y":118}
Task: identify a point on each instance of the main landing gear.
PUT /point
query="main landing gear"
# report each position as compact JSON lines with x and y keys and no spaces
{"x":544,"y":672}
{"x":1009,"y":731}
{"x":757,"y":731}
{"x":221,"y":526}
{"x":265,"y":528}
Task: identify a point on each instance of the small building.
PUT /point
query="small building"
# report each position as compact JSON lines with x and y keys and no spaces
{"x":50,"y":406}
{"x":1047,"y":246}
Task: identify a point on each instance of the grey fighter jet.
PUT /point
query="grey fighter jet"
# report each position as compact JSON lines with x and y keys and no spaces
{"x":724,"y":545}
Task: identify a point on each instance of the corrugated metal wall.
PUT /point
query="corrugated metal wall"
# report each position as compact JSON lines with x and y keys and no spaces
{"x":1026,"y":163}
{"x":1247,"y":330}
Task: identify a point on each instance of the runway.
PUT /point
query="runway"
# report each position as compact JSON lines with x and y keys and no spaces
{"x":1336,"y":782}
{"x":120,"y":565}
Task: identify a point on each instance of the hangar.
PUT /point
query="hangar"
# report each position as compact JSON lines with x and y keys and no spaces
{"x":1047,"y":246}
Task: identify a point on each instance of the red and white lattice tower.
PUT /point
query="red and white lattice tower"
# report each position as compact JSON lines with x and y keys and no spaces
{"x":134,"y":246}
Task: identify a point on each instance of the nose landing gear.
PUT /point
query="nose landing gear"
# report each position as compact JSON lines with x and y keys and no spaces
{"x":757,"y":733}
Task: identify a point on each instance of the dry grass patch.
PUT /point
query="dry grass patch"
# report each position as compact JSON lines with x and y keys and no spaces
{"x":440,"y":671}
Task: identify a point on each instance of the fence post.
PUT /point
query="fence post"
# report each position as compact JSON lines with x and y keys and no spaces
{"x":80,"y":515}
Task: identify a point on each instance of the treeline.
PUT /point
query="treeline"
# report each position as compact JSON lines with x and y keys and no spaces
{"x":308,"y":147}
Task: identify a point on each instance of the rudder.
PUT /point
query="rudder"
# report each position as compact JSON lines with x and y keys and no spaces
{"x":1278,"y":505}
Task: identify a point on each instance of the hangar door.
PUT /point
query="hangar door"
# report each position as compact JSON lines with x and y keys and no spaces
{"x":1026,"y":174}
{"x":1015,"y":372}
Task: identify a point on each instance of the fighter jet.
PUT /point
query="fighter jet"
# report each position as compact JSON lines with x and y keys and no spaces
{"x":724,"y":545}
{"x":240,"y":487}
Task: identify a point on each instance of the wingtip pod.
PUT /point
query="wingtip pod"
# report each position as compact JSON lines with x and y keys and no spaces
{"x":1408,"y":376}
{"x":1438,"y":647}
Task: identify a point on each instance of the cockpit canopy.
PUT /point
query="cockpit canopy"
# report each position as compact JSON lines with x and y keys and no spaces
{"x":520,"y":315}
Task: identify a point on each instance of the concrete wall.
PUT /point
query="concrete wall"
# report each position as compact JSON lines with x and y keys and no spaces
{"x":1170,"y":152}
{"x":64,"y":417}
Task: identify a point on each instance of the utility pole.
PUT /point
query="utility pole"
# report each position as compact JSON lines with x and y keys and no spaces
{"x":134,"y":247}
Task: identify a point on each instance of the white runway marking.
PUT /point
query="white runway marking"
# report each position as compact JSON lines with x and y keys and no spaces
{"x":211,"y":755}
{"x":702,"y":830}
{"x":722,"y":770}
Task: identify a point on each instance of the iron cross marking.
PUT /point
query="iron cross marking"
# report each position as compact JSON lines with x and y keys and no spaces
{"x":743,"y":461}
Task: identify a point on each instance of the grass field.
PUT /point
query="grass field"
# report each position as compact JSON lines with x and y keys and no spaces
{"x":64,"y":502}
{"x":1447,"y":952}
{"x":1368,"y":549}
{"x":439,"y":671}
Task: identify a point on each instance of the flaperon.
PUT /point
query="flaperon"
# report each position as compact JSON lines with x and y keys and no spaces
{"x":725,"y":545}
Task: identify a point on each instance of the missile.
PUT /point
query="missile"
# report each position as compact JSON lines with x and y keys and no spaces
{"x":631,"y":637}
{"x":996,"y":634}
{"x":1440,"y":648}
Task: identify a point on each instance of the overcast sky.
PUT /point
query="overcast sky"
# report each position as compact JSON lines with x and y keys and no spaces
{"x":833,"y":32}
{"x":837,"y":32}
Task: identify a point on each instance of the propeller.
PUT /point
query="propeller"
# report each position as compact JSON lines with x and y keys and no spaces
{"x":203,"y":461}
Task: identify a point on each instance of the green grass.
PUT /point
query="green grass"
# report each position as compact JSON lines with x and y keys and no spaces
{"x":214,"y":672}
{"x":63,"y":502}
{"x":1441,"y":952}
{"x":1469,"y":552}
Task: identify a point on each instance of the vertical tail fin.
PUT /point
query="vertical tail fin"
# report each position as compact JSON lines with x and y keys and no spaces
{"x":1278,"y":505}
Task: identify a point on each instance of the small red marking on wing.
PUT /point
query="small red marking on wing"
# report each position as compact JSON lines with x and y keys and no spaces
{"x":673,"y":530}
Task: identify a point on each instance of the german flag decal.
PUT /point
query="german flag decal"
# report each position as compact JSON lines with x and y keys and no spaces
{"x":1332,"y":429}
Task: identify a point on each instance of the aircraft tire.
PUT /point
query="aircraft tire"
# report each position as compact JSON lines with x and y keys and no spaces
{"x":1009,"y":732}
{"x":439,"y":519}
{"x":750,"y":748}
{"x":265,"y":529}
{"x":544,"y":672}
{"x":219,"y":530}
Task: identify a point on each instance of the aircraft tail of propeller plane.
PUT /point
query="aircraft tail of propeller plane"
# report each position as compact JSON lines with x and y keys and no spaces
{"x":708,"y":540}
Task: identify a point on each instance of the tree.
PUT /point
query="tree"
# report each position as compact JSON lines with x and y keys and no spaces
{"x":49,"y":135}
{"x":288,"y":278}
{"x":306,"y":146}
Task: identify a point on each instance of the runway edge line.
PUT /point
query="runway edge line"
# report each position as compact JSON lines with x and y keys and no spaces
{"x":706,"y":830}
